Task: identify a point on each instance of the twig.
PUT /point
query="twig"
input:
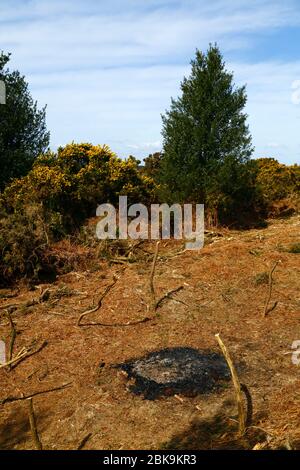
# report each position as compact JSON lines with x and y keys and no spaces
{"x":13,"y":335}
{"x":267,"y":309}
{"x":167,"y":296}
{"x":154,"y":306}
{"x":33,"y":428}
{"x":119,"y":325}
{"x":132,"y":248}
{"x":92,"y":310}
{"x":247,"y":394}
{"x":151,"y":285}
{"x":29,"y":303}
{"x":237,"y":386}
{"x":9,"y":296}
{"x":84,"y":441}
{"x":12,"y":399}
{"x":22,"y":354}
{"x":178,"y":397}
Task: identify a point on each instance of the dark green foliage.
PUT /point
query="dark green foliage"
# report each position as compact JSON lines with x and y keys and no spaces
{"x":22,"y":241}
{"x":207,"y":145}
{"x":23,"y":134}
{"x":152,"y":164}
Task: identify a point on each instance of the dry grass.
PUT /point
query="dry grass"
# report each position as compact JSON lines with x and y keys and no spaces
{"x":220,"y":295}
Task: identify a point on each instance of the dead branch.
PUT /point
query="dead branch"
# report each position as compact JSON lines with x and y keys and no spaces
{"x":133,"y":247}
{"x":33,"y":428}
{"x":151,"y":285}
{"x":22,"y":354}
{"x":34,"y":394}
{"x":13,"y":335}
{"x":249,"y":401}
{"x":137,"y":322}
{"x":84,"y":441}
{"x":154,"y":306}
{"x":9,"y":296}
{"x":119,"y":325}
{"x":98,"y":306}
{"x":29,"y":303}
{"x":168,"y":295}
{"x":268,"y":309}
{"x":178,"y":253}
{"x":31,"y":352}
{"x":118,"y":261}
{"x":237,"y":386}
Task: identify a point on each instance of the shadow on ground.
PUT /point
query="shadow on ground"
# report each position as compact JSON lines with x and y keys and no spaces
{"x":218,"y":432}
{"x":15,"y":430}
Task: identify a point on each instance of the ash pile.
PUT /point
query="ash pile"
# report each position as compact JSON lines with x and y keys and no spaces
{"x":180,"y":370}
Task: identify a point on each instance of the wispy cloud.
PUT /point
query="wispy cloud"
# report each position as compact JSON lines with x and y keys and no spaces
{"x":107,"y":69}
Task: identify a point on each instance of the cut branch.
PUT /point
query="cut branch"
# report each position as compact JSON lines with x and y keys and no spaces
{"x":268,"y":309}
{"x":166,"y":296}
{"x":84,"y":441}
{"x":13,"y":335}
{"x":33,"y":428}
{"x":248,"y":397}
{"x":237,"y":386}
{"x":98,"y":306}
{"x":155,"y":304}
{"x":34,"y":394}
{"x":151,"y":278}
{"x":22,"y":354}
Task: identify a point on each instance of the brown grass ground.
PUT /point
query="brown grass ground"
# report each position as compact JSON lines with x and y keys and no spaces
{"x":222,"y":294}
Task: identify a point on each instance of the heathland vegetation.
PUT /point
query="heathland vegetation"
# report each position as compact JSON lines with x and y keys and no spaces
{"x":206,"y":158}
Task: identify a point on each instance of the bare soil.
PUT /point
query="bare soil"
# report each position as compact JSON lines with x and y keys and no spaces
{"x":225,"y":286}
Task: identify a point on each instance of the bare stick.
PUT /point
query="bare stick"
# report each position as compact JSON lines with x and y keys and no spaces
{"x":237,"y":386}
{"x":92,"y":310}
{"x":33,"y":428}
{"x":168,"y":295}
{"x":22,"y":354}
{"x":247,"y":394}
{"x":84,"y":441}
{"x":9,"y":296}
{"x":267,"y":309}
{"x":13,"y":335}
{"x":118,"y":325}
{"x":34,"y":394}
{"x":29,"y":303}
{"x":151,"y":285}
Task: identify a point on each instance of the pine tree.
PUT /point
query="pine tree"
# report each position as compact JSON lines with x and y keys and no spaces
{"x":23,"y":134}
{"x":204,"y":132}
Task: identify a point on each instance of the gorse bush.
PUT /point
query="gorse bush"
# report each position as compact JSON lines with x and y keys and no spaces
{"x":78,"y":178}
{"x":64,"y":188}
{"x":276,"y":180}
{"x":22,"y":240}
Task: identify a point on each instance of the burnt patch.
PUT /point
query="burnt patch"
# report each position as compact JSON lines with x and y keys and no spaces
{"x":186,"y":371}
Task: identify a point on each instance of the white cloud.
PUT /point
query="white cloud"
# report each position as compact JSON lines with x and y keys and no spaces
{"x":107,"y":69}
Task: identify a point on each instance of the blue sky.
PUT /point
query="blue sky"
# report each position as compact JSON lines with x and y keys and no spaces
{"x":107,"y":69}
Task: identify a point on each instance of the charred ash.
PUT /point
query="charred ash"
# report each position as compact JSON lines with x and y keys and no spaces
{"x":179,"y":370}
